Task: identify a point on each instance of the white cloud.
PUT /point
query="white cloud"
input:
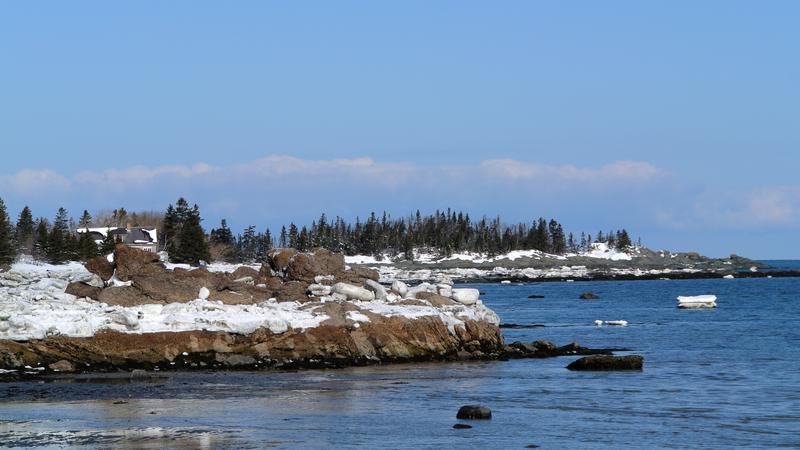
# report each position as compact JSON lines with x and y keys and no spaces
{"x":614,"y":173}
{"x":769,"y":206}
{"x":35,"y":182}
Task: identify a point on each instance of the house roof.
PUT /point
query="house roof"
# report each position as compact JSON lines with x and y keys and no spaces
{"x":134,"y":235}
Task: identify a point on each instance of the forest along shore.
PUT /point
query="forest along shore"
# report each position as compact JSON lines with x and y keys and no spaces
{"x":299,"y":310}
{"x":600,"y":262}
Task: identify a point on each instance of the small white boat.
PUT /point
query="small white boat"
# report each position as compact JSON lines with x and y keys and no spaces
{"x":616,"y":323}
{"x":613,"y":323}
{"x":697,"y":301}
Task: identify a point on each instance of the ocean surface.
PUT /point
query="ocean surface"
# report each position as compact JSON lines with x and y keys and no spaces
{"x":723,"y":378}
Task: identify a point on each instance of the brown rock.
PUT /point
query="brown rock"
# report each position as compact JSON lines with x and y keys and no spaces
{"x":278,"y":259}
{"x":62,"y":366}
{"x":132,"y":261}
{"x":125,"y":296}
{"x":357,"y":275}
{"x":100,"y":267}
{"x":388,"y":339}
{"x":244,"y":271}
{"x":292,"y":291}
{"x":435,"y":299}
{"x":306,"y":266}
{"x":81,"y":290}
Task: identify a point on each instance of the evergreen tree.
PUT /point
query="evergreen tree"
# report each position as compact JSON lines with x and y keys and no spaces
{"x":283,"y":242}
{"x":87,"y":248}
{"x":24,"y":232}
{"x":108,"y":244}
{"x":7,"y":249}
{"x":192,"y":245}
{"x":58,"y":244}
{"x":41,"y":246}
{"x":222,"y":235}
{"x":624,"y":240}
{"x":86,"y":219}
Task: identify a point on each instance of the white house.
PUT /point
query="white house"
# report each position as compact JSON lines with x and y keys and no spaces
{"x":137,"y":237}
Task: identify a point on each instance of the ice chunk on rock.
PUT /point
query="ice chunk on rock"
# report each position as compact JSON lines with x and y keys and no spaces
{"x":466,"y":296}
{"x":400,"y":288}
{"x":319,"y":290}
{"x":377,"y":288}
{"x":353,"y":292}
{"x":204,"y":293}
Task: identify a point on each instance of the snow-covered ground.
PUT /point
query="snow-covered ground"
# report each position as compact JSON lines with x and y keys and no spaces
{"x":33,"y":305}
{"x":598,"y":250}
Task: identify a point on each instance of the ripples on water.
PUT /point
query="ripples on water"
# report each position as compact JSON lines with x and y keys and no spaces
{"x":713,"y":379}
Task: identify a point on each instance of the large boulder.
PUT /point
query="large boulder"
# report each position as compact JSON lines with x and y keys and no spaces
{"x":82,"y":290}
{"x":466,"y":296}
{"x":132,"y":261}
{"x":307,"y":266}
{"x":353,"y":292}
{"x":244,"y":272}
{"x":278,"y":259}
{"x":101,"y":267}
{"x":607,"y":363}
{"x":470,"y":412}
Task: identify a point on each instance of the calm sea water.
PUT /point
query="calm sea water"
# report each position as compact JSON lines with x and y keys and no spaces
{"x":723,"y":378}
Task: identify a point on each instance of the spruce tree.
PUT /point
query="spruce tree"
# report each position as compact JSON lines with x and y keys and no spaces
{"x":7,"y":251}
{"x":24,"y":232}
{"x":192,"y":246}
{"x":86,"y":219}
{"x":41,"y":246}
{"x":108,"y":244}
{"x":87,"y":248}
{"x":58,"y":244}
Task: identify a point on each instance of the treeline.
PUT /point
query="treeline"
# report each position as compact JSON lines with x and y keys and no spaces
{"x":443,"y":233}
{"x":181,"y":234}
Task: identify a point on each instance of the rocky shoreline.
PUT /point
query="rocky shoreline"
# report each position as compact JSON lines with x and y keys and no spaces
{"x":602,"y":264}
{"x":132,"y":313}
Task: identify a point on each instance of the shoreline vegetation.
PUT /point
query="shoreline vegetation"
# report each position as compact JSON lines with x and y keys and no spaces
{"x":382,"y":293}
{"x":449,"y":242}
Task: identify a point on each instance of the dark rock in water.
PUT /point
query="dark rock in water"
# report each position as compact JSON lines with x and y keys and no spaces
{"x":544,"y":346}
{"x":461,"y":426}
{"x":569,"y":349}
{"x":589,"y":296}
{"x":536,"y":296}
{"x":474,"y":412}
{"x":531,"y":446}
{"x":606,"y":363}
{"x":82,"y":290}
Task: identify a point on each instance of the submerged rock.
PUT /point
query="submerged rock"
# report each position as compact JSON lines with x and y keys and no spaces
{"x":589,"y":296}
{"x":472,"y":412}
{"x":607,"y":363}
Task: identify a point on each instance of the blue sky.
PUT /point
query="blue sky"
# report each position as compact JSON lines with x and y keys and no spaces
{"x":677,"y":120}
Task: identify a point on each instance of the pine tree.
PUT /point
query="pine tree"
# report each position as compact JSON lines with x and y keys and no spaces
{"x":222,"y":235}
{"x":24,"y":232}
{"x":108,"y":244}
{"x":7,"y":249}
{"x":192,"y":245}
{"x":86,"y":219}
{"x":87,"y":248}
{"x":283,"y":242}
{"x":58,"y":245}
{"x":624,"y":240}
{"x":41,"y":246}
